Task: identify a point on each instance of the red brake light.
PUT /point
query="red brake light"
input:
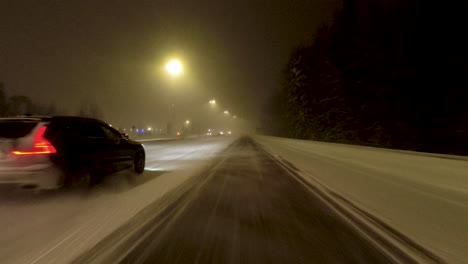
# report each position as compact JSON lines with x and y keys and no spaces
{"x":40,"y":145}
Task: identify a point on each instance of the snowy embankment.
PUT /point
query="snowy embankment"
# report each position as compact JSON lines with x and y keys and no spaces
{"x":420,"y":195}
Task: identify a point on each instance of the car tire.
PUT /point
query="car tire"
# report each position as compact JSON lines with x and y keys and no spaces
{"x":139,"y":162}
{"x":81,"y":179}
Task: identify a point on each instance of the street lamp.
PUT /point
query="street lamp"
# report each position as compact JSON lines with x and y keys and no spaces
{"x":174,"y":67}
{"x":212,"y":102}
{"x":187,"y":122}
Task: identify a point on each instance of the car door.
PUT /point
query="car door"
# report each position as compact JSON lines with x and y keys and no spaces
{"x":122,"y":155}
{"x":101,"y":152}
{"x":79,"y":142}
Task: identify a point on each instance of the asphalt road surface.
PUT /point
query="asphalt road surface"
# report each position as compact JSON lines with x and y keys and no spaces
{"x":244,"y":208}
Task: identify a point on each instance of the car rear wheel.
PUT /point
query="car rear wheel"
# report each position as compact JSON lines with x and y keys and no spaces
{"x":80,"y":179}
{"x":139,"y":162}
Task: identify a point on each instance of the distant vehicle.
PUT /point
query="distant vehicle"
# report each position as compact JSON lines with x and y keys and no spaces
{"x":213,"y":132}
{"x":51,"y":152}
{"x":224,"y":133}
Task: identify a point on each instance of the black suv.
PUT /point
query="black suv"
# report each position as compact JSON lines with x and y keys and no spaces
{"x":51,"y":152}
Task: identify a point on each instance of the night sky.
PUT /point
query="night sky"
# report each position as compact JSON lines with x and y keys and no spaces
{"x":113,"y":53}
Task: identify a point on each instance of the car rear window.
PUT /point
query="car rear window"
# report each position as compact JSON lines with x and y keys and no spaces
{"x":15,"y":129}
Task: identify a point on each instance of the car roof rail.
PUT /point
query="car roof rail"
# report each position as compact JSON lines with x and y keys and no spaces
{"x":27,"y":117}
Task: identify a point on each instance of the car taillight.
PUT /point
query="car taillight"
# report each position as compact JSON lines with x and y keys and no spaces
{"x":40,"y":145}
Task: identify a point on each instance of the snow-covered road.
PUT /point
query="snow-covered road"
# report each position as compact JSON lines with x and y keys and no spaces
{"x":57,"y":227}
{"x":425,"y":197}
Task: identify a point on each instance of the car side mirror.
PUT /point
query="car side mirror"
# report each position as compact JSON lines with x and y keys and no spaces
{"x":125,"y":136}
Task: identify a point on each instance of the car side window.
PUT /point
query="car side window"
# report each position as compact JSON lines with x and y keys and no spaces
{"x":93,"y":130}
{"x":71,"y":129}
{"x":109,"y":133}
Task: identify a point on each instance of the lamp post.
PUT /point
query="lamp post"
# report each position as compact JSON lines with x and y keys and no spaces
{"x":174,"y":68}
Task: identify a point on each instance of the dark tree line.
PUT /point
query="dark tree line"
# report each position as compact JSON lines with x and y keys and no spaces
{"x":20,"y":105}
{"x":383,"y":73}
{"x":92,"y":110}
{"x":16,"y":105}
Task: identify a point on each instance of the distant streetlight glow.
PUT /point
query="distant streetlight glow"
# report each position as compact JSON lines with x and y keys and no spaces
{"x":212,"y":102}
{"x":226,"y":112}
{"x":174,"y":67}
{"x":187,"y":122}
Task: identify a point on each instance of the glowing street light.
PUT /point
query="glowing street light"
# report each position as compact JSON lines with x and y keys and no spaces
{"x":187,"y":122}
{"x":226,"y":112}
{"x":212,"y":102}
{"x":174,"y":67}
